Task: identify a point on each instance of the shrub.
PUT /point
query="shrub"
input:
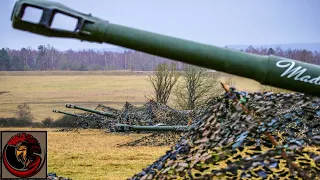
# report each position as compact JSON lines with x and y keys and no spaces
{"x":66,"y":122}
{"x":37,"y":125}
{"x":15,"y":122}
{"x":47,"y":122}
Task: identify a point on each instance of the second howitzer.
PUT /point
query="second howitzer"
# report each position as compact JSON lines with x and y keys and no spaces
{"x":268,"y":70}
{"x":126,"y":128}
{"x":66,"y":113}
{"x":91,"y":110}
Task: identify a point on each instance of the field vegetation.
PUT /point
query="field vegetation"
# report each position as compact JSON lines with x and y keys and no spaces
{"x":44,"y":91}
{"x":96,"y":154}
{"x":88,"y":154}
{"x":28,"y":97}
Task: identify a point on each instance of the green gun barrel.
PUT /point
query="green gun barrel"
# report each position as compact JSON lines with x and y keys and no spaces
{"x":66,"y":113}
{"x":91,"y":110}
{"x":268,"y":70}
{"x":110,"y":109}
{"x":125,"y":128}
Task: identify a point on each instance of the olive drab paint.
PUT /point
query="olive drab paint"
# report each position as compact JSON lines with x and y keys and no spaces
{"x":126,"y":128}
{"x":91,"y":110}
{"x":66,"y":113}
{"x":268,"y":70}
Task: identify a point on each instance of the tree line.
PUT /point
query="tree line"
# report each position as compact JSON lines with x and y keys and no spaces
{"x":47,"y":58}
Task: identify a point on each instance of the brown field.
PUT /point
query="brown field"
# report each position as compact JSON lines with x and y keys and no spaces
{"x":45,"y":91}
{"x":90,"y":154}
{"x":95,"y":154}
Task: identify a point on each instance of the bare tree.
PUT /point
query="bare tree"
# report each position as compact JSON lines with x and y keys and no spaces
{"x":24,"y":112}
{"x":163,"y":80}
{"x":196,"y":87}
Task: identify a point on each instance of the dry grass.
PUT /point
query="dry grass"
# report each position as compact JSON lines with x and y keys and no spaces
{"x":90,"y":154}
{"x":73,"y":73}
{"x":45,"y":91}
{"x":94,"y":155}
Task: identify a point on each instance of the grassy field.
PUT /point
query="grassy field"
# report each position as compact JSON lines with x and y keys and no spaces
{"x":90,"y":154}
{"x":95,"y":154}
{"x":45,"y":91}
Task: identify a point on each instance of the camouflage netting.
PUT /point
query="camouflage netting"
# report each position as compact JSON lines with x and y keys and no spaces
{"x":104,"y":108}
{"x":168,"y":138}
{"x":278,"y":139}
{"x":91,"y":120}
{"x":152,"y":113}
{"x":53,"y":176}
{"x":156,"y":139}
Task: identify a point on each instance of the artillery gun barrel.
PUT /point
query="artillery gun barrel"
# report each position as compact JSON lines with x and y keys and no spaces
{"x":66,"y":113}
{"x":90,"y":110}
{"x":125,"y":128}
{"x":104,"y":106}
{"x":110,"y":109}
{"x":268,"y":70}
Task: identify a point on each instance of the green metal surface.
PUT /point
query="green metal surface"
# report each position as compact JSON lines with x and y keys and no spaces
{"x":66,"y":113}
{"x":125,"y":128}
{"x":91,"y":110}
{"x":268,"y":70}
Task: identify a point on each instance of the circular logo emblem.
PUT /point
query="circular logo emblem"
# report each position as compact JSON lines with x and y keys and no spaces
{"x":22,"y":155}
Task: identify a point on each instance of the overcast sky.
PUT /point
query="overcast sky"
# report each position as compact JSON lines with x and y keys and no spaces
{"x":215,"y":22}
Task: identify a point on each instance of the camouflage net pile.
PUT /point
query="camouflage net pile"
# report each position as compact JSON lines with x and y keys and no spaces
{"x":96,"y":121}
{"x":53,"y":176}
{"x":104,"y":108}
{"x":92,"y":121}
{"x":277,"y":138}
{"x":160,"y":113}
{"x":152,"y":113}
{"x":167,"y":138}
{"x":156,"y":139}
